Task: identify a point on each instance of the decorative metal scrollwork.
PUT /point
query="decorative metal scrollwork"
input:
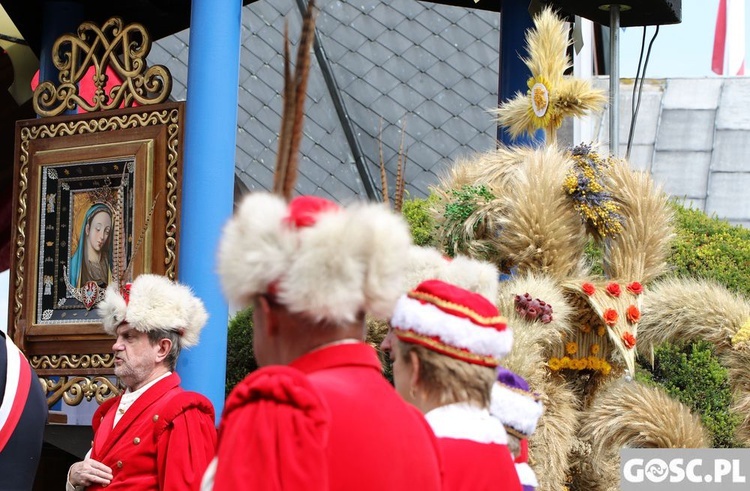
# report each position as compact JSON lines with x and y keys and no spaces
{"x":121,"y":49}
{"x":48,"y":362}
{"x":72,"y":390}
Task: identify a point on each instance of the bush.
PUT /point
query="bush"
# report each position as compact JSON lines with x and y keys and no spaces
{"x":710,"y":248}
{"x":240,"y":355}
{"x":421,"y":223}
{"x":693,"y":375}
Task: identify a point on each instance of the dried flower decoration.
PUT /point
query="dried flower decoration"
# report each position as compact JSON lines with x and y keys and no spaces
{"x":633,"y":314}
{"x":571,"y":348}
{"x":594,"y":349}
{"x":614,"y":289}
{"x":628,"y":340}
{"x":532,"y":309}
{"x":588,"y":288}
{"x":610,"y":317}
{"x":635,"y":288}
{"x":552,"y":96}
{"x":540,"y":112}
{"x":587,"y":363}
{"x":586,"y":185}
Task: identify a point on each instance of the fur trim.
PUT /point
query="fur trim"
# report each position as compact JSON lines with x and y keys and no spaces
{"x":255,"y":248}
{"x":112,"y":309}
{"x":347,"y":262}
{"x":515,"y":408}
{"x":429,"y":320}
{"x":526,"y":475}
{"x":427,"y":263}
{"x":465,"y":421}
{"x":156,"y":303}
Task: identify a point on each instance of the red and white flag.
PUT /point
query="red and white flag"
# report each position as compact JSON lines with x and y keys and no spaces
{"x":729,"y":39}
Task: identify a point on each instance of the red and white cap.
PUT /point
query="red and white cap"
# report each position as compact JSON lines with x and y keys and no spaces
{"x":454,"y":322}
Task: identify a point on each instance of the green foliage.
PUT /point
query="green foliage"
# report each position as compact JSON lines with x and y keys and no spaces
{"x":421,"y":223}
{"x":240,"y":356}
{"x":464,"y":202}
{"x":462,"y":224}
{"x":693,"y":375}
{"x":710,"y":248}
{"x":595,"y":255}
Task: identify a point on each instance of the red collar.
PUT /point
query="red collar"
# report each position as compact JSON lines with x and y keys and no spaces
{"x":338,"y":355}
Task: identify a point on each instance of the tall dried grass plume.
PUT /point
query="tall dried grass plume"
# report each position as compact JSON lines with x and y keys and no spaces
{"x":640,"y":250}
{"x":630,"y":414}
{"x":680,"y":310}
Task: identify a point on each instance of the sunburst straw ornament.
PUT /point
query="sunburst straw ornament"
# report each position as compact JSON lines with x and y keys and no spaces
{"x":551,"y":96}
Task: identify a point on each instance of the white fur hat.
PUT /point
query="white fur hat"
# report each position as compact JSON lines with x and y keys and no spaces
{"x":153,"y":302}
{"x":427,"y":263}
{"x":514,"y":404}
{"x":315,"y":257}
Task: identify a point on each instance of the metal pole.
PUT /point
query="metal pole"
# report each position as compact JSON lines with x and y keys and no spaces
{"x":208,"y":181}
{"x":614,"y":79}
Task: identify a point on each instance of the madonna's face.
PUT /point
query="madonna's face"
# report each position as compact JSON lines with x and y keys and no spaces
{"x":98,"y":230}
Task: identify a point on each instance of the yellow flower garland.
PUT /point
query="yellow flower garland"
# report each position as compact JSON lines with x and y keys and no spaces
{"x":586,"y":363}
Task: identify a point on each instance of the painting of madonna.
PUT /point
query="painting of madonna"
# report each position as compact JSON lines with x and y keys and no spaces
{"x":92,"y":259}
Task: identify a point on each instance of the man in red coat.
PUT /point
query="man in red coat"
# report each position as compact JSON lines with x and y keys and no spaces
{"x":155,"y":436}
{"x":319,"y":415}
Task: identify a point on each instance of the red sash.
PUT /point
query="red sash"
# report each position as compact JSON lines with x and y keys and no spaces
{"x":17,"y":388}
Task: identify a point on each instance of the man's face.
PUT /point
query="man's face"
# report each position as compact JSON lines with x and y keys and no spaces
{"x":386,"y":346}
{"x":135,"y":357}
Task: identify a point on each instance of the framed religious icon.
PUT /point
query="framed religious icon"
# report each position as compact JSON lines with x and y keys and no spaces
{"x":97,"y":203}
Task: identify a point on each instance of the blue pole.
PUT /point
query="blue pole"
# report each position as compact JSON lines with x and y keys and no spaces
{"x":514,"y":21}
{"x":208,"y":182}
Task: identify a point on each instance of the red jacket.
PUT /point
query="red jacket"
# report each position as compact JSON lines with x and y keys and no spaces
{"x":330,"y":421}
{"x":474,"y":449}
{"x":163,"y":442}
{"x":472,"y":466}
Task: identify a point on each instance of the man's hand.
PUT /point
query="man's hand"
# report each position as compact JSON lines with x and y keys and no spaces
{"x":89,"y":472}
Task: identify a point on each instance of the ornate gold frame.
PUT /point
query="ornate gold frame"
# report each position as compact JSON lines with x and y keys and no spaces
{"x":150,"y":138}
{"x":140,"y":147}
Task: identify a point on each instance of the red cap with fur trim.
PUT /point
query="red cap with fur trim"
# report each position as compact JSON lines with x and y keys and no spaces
{"x":315,"y":257}
{"x":453,"y":321}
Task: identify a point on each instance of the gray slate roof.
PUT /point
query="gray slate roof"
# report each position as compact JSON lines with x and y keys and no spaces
{"x":430,"y":67}
{"x":693,"y":136}
{"x":435,"y":68}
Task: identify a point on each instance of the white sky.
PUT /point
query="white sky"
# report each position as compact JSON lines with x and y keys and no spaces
{"x":680,"y":50}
